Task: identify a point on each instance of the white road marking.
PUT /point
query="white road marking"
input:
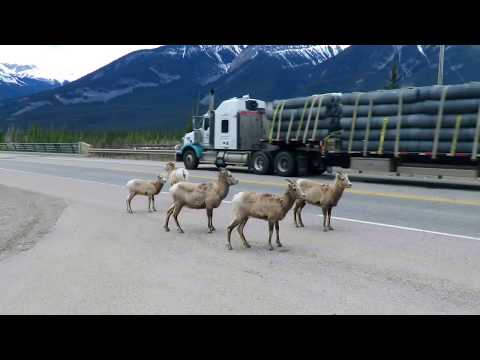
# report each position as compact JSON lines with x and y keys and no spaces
{"x":405,"y":228}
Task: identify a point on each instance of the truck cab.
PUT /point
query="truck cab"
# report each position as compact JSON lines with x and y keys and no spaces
{"x":224,"y":135}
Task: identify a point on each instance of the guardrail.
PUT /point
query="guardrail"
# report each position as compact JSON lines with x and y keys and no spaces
{"x":64,"y":148}
{"x":135,"y":154}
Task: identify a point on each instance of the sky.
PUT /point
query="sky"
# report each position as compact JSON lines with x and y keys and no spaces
{"x":66,"y":62}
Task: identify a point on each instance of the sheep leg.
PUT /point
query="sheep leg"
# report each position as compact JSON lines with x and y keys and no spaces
{"x":178,"y":208}
{"x":230,"y":227}
{"x":277,"y":228}
{"x":210,"y":221}
{"x":149,"y":203}
{"x":242,"y":235}
{"x":129,"y":200}
{"x":329,"y":218}
{"x":169,"y":213}
{"x":295,"y":210}
{"x":324,"y":210}
{"x":270,"y":233}
{"x":153,"y":203}
{"x":302,"y":205}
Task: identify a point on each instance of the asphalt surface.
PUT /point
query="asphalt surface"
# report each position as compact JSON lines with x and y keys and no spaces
{"x":395,"y":249}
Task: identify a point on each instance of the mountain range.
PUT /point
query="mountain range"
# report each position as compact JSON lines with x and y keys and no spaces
{"x":21,"y":80}
{"x":158,"y":88}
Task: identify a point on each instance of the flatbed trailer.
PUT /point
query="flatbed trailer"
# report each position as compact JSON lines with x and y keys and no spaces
{"x":307,"y":135}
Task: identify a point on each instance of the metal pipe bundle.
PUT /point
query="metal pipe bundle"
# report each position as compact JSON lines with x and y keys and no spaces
{"x":306,"y":119}
{"x":431,"y":119}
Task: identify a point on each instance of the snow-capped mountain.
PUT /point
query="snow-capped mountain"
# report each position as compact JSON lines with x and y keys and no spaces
{"x":156,"y":88}
{"x":20,"y":80}
{"x":272,"y":71}
{"x":367,"y":67}
{"x":292,"y":56}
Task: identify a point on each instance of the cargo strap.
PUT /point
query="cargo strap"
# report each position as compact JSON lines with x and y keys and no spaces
{"x":439,"y":122}
{"x":301,"y":119}
{"x":453,"y":149}
{"x":382,"y":136}
{"x":367,"y":130}
{"x":292,"y":116}
{"x":354,"y":120}
{"x":279,"y":122}
{"x":272,"y":125}
{"x":305,"y":133}
{"x":476,"y":139}
{"x":399,"y":124}
{"x":315,"y":125}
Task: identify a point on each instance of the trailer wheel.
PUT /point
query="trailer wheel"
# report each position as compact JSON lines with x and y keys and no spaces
{"x":190,"y":159}
{"x":260,"y":163}
{"x":317,"y":166}
{"x":285,"y":164}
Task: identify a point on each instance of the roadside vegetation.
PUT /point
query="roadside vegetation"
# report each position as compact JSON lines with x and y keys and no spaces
{"x":99,"y":139}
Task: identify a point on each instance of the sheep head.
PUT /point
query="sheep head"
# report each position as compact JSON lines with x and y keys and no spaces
{"x":227,"y":176}
{"x":161,"y":179}
{"x":343,"y":179}
{"x":170,"y":166}
{"x":294,"y":189}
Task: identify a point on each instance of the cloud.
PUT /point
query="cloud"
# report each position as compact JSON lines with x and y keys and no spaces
{"x":66,"y":62}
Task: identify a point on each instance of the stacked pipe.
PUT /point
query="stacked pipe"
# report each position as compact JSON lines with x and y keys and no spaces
{"x":431,"y":119}
{"x":304,"y":119}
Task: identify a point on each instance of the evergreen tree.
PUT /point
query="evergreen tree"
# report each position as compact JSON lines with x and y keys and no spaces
{"x":394,"y":79}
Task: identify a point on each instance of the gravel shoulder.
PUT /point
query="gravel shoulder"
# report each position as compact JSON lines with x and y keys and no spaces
{"x":24,"y":218}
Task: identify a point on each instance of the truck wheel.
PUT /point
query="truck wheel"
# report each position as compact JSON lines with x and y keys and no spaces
{"x":260,"y":163}
{"x":285,"y":164}
{"x":190,"y":159}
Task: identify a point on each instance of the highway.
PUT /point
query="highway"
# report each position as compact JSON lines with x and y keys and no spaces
{"x":395,"y":249}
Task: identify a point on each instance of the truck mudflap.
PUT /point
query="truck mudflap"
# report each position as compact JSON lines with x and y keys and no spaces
{"x":178,"y":156}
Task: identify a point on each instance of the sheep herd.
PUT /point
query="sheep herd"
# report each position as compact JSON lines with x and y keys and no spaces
{"x":269,"y":207}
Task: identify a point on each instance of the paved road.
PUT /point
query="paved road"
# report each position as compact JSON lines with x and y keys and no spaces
{"x":396,"y":249}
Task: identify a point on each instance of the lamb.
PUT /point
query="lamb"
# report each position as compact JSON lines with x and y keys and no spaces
{"x":207,"y":196}
{"x":271,"y":208}
{"x":144,"y":187}
{"x":323,"y":195}
{"x":175,"y":175}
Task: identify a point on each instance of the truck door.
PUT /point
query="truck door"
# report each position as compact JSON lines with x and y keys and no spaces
{"x":206,"y":132}
{"x":226,"y":132}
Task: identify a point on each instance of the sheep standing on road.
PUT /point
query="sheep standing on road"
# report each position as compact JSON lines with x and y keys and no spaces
{"x":323,"y":195}
{"x":175,"y":175}
{"x":144,"y":187}
{"x":207,"y":196}
{"x":271,"y":208}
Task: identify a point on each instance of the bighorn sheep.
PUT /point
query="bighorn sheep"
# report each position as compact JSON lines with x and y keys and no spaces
{"x":207,"y":196}
{"x":144,"y":187}
{"x":175,"y":175}
{"x":323,"y":195}
{"x":271,"y":208}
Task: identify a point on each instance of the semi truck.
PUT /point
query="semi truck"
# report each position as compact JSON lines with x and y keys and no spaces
{"x":298,"y":136}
